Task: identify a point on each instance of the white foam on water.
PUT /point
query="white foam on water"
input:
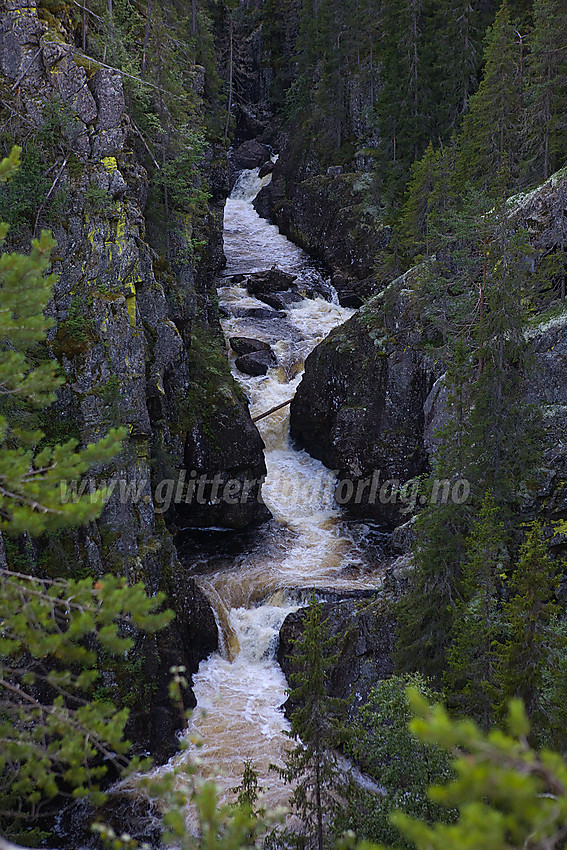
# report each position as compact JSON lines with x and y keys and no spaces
{"x":240,"y":690}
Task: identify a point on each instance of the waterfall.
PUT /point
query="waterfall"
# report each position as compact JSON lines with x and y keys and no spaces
{"x":248,"y":184}
{"x":241,"y":689}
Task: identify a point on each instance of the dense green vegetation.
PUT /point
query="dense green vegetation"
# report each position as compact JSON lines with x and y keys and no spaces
{"x":389,"y":78}
{"x":453,"y":107}
{"x":60,"y":733}
{"x":311,"y":766}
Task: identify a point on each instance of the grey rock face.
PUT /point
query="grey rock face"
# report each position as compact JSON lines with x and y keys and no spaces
{"x":69,"y":80}
{"x":363,"y":633}
{"x":106,"y":86}
{"x":138,"y":350}
{"x":272,"y":280}
{"x":20,"y":35}
{"x":330,"y":217}
{"x":359,"y":407}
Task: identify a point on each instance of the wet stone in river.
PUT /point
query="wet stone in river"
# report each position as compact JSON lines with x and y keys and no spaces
{"x":245,"y":345}
{"x":257,"y":362}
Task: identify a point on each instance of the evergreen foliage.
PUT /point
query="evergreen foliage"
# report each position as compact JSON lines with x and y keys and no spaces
{"x":402,"y":766}
{"x":532,"y":644}
{"x":216,"y":826}
{"x":31,"y":480}
{"x":59,"y":736}
{"x":426,"y":611}
{"x":546,"y":91}
{"x":472,"y":292}
{"x":490,"y":137}
{"x":471,"y":677}
{"x":311,"y":765}
{"x":508,"y":795}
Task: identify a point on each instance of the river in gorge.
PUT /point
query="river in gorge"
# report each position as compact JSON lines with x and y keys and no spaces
{"x":254,"y":580}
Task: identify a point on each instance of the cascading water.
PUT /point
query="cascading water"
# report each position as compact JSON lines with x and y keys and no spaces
{"x":253,"y":587}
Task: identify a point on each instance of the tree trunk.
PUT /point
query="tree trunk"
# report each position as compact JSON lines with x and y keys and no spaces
{"x":318,"y":803}
{"x":146,"y":37}
{"x":230,"y":76}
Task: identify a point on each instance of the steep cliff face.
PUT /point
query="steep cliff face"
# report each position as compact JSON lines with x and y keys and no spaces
{"x":138,"y":339}
{"x":335,"y":217}
{"x":359,"y":407}
{"x":372,"y":397}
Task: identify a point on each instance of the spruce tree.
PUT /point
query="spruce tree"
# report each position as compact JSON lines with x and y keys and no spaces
{"x":530,"y":612}
{"x":470,"y":678}
{"x":425,"y":613}
{"x":490,"y":136}
{"x":473,"y":294}
{"x":417,"y":212}
{"x":546,"y":90}
{"x":402,"y":767}
{"x":504,"y":445}
{"x":401,"y":110}
{"x":428,"y":202}
{"x":311,"y":765}
{"x":455,"y":35}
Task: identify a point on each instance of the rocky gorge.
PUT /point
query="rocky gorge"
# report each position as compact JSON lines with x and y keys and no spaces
{"x":152,"y":333}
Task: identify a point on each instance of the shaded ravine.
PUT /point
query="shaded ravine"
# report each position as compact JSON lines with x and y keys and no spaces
{"x":253,"y":581}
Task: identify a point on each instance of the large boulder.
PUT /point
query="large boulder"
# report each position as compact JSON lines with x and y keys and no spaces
{"x":272,"y":280}
{"x":359,"y":406}
{"x":244,"y":345}
{"x":189,"y":639}
{"x":259,"y":313}
{"x":266,"y":169}
{"x":280,"y":300}
{"x":256,"y":363}
{"x":363,"y":633}
{"x":248,"y":155}
{"x":345,"y":287}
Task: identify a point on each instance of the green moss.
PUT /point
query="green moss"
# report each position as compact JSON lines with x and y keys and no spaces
{"x":58,"y":427}
{"x":213,"y":389}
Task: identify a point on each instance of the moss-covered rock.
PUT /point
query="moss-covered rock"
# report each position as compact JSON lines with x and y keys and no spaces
{"x":372,"y":397}
{"x":359,"y":407}
{"x":137,"y":335}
